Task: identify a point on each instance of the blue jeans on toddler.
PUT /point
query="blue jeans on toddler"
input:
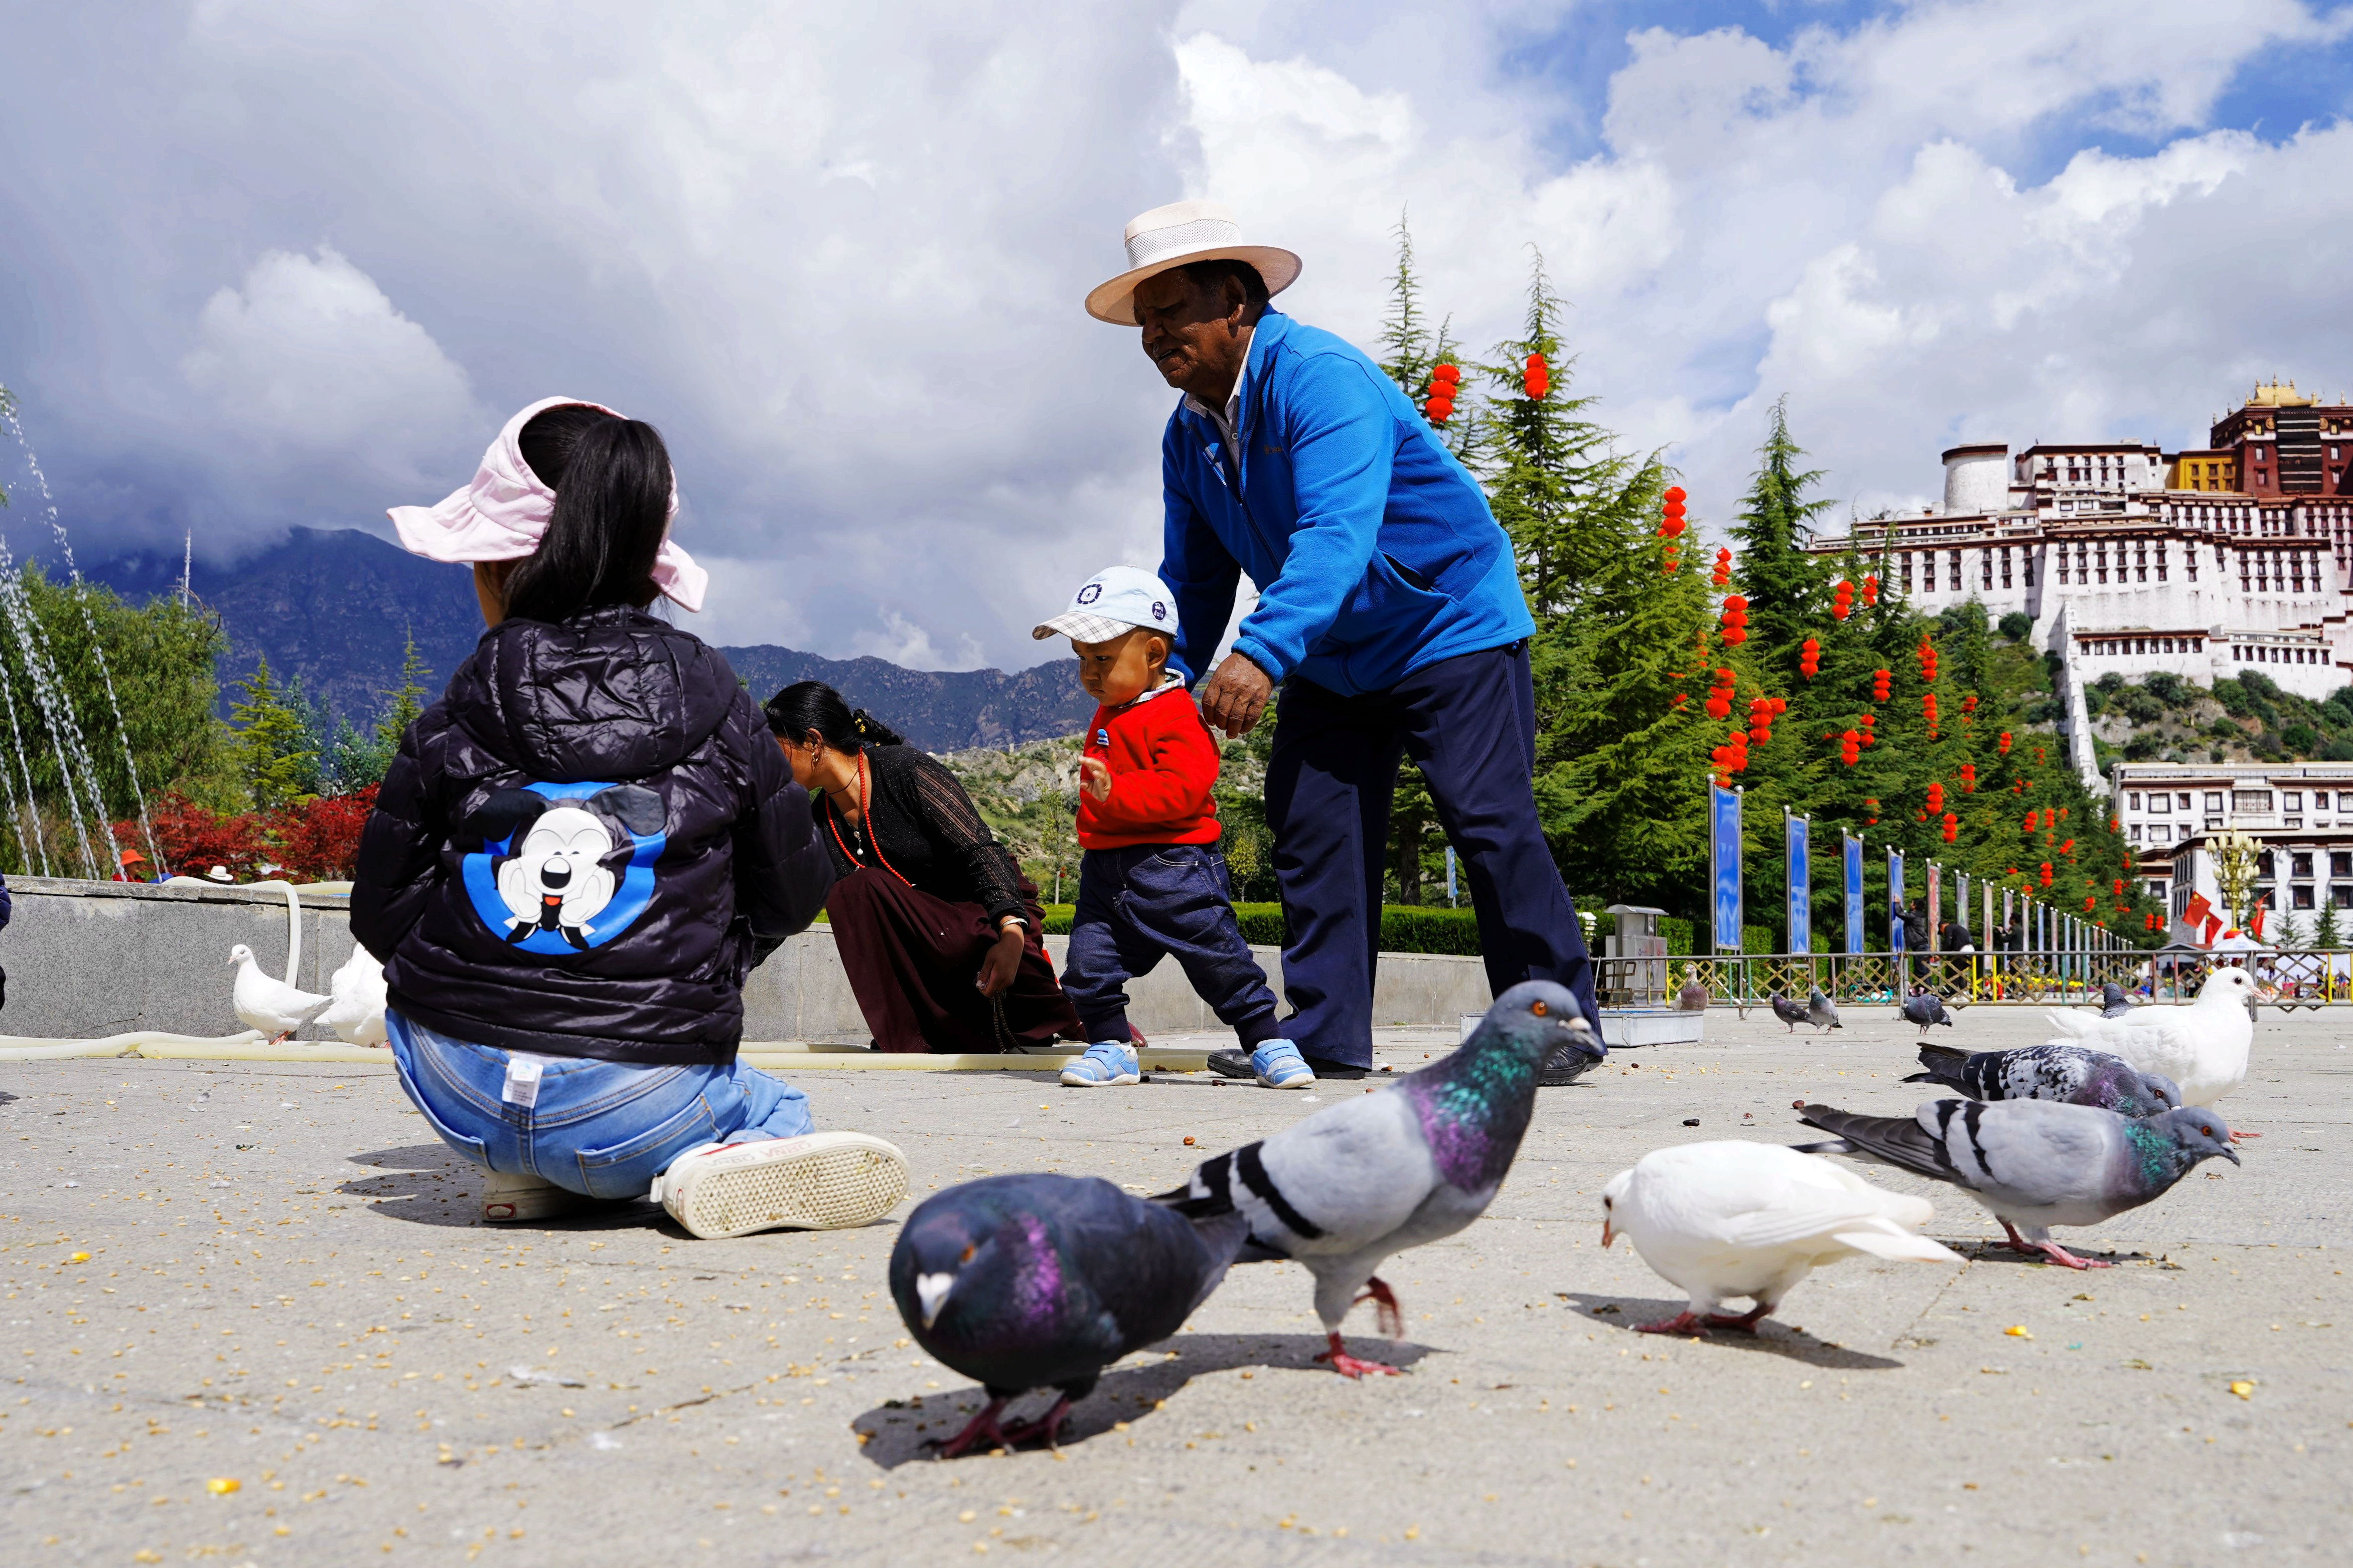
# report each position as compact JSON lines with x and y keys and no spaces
{"x":602,"y":1128}
{"x":1139,"y":904}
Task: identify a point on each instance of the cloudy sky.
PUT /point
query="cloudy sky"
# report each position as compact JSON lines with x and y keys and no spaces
{"x":280,"y":264}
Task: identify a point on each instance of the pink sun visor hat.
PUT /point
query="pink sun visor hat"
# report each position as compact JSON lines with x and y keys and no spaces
{"x":502,"y":515}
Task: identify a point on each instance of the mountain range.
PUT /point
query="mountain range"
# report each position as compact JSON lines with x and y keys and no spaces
{"x":336,"y":608}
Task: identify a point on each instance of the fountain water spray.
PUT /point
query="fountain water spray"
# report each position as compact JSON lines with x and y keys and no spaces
{"x":97,"y":647}
{"x":57,"y":710}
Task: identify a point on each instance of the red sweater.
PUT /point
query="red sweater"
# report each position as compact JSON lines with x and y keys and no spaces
{"x":1162,"y":765}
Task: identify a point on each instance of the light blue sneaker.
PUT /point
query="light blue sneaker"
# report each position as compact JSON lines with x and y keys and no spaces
{"x":1107,"y":1065}
{"x":1279,"y":1065}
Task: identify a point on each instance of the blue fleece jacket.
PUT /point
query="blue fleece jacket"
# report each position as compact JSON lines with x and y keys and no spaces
{"x":1372,"y":545}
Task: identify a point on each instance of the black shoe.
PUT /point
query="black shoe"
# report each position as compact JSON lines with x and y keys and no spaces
{"x":1567,"y":1063}
{"x":1334,"y":1069}
{"x":1232,"y":1064}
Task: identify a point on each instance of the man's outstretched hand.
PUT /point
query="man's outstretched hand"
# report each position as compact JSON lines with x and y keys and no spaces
{"x":1235,"y":695}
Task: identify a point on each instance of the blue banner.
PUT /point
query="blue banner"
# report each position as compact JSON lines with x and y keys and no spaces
{"x":1797,"y":847}
{"x":1855,"y":906}
{"x":1894,"y":901}
{"x":1724,"y":866}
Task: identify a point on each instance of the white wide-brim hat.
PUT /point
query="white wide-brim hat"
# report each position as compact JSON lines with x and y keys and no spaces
{"x":1176,"y":235}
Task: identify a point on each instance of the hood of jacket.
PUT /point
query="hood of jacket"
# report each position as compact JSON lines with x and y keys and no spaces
{"x":611,"y":693}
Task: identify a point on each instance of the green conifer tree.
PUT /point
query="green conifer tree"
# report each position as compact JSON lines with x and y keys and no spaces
{"x":1785,"y":588}
{"x":271,"y":750}
{"x":404,"y":703}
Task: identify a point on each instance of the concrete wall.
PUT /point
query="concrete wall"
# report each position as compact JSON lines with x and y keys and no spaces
{"x":88,"y":959}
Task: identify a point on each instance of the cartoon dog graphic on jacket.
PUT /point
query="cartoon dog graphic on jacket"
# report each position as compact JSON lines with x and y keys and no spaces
{"x":551,"y":873}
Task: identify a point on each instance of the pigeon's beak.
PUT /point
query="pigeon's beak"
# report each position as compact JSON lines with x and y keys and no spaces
{"x":2233,"y":1156}
{"x":932,"y":1290}
{"x":1608,"y":1236}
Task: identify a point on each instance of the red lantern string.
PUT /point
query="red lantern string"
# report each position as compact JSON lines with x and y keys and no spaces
{"x":1952,"y":827}
{"x":1850,"y":748}
{"x":1723,"y":568}
{"x":1843,"y":600}
{"x":1444,"y":382}
{"x":1935,"y":798}
{"x":1878,"y":679}
{"x":1736,"y":621}
{"x":2045,"y":869}
{"x":1810,"y":659}
{"x":2004,"y":747}
{"x":1869,"y":589}
{"x":1873,"y":807}
{"x":1968,"y":778}
{"x":1536,"y":378}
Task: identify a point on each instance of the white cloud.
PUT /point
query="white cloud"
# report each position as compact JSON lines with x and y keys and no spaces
{"x":838,"y":255}
{"x":309,"y":359}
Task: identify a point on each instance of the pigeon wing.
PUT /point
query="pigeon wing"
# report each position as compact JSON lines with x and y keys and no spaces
{"x":2041,"y":1152}
{"x":1352,"y":1174}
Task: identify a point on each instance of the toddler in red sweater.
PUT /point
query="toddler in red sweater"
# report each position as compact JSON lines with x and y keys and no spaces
{"x":1151,"y":882}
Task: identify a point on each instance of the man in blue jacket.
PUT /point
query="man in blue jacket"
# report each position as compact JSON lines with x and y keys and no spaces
{"x":1389,"y":611}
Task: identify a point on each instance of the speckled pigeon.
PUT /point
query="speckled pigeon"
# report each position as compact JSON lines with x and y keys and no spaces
{"x":2074,"y":1075}
{"x":2034,"y":1162}
{"x":1374,"y":1175}
{"x":1041,"y":1281}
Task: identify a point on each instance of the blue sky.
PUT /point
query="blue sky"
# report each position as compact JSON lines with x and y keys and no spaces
{"x":277,"y":265}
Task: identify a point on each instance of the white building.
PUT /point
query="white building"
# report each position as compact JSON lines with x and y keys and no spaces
{"x":2301,"y":813}
{"x":2131,"y":560}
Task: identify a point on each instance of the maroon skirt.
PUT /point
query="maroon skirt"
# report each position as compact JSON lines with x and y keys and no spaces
{"x":914,"y":962}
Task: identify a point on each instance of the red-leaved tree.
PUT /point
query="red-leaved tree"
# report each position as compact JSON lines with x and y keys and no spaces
{"x":316,"y":841}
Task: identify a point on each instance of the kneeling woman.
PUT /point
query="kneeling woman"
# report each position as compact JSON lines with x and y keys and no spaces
{"x":938,"y":927}
{"x":578,"y":855}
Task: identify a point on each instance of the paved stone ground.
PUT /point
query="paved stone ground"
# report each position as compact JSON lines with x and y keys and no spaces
{"x":284,"y":1288}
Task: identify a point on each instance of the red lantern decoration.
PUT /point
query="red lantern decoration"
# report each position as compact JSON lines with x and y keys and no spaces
{"x":1873,"y":807}
{"x":1869,"y":589}
{"x":2004,"y":746}
{"x":1952,"y":827}
{"x":2045,"y":869}
{"x":1878,"y":679}
{"x":1850,"y":748}
{"x":1536,"y":378}
{"x":1843,"y":600}
{"x":1810,"y":659}
{"x":1968,"y":778}
{"x":1869,"y":733}
{"x":1723,"y":568}
{"x":1444,"y":382}
{"x":1935,"y":798}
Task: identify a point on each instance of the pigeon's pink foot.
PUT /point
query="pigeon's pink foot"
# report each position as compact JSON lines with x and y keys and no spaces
{"x":1681,"y":1323}
{"x":1348,"y":1365}
{"x":2243,"y":1133}
{"x":1048,"y":1426}
{"x":2016,"y":1242}
{"x":1386,"y":1311}
{"x":1744,"y":1323}
{"x":2067,"y":1260}
{"x":282,"y":1039}
{"x":981,"y":1426}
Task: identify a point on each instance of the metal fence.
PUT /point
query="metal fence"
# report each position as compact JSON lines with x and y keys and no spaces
{"x":2289,"y":978}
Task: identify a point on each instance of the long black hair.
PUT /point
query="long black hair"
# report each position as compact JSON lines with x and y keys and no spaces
{"x":808,"y":705}
{"x":612,"y":482}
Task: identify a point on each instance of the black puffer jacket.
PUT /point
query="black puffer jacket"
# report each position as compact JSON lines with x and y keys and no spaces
{"x":584,"y":846}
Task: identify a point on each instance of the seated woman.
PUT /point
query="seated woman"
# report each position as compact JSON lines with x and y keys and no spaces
{"x":580,"y":852}
{"x":938,"y":928}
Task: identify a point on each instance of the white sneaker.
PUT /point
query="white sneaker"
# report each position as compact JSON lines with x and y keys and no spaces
{"x":506,"y":1198}
{"x":820,"y":1180}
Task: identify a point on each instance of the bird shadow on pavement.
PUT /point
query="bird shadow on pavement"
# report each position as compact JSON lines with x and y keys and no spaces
{"x":1772,"y":1337}
{"x":897,"y":1432}
{"x":2001,"y":1252}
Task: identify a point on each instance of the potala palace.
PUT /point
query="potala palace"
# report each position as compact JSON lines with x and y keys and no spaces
{"x":2131,"y":559}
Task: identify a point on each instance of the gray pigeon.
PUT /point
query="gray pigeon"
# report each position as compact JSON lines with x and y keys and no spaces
{"x":1822,"y":1012}
{"x":1790,"y":1013}
{"x":1924,"y":1008}
{"x":2034,"y":1162}
{"x":1375,"y":1174}
{"x":1040,"y":1281}
{"x":1692,"y":998}
{"x":2114,"y":1003}
{"x":2073,"y":1075}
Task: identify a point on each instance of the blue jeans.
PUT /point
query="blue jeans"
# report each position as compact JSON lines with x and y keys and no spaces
{"x":602,"y":1128}
{"x":1470,"y":723}
{"x":1138,"y":903}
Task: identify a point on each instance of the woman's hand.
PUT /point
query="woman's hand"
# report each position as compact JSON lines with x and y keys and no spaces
{"x":1095,"y":777}
{"x":1002,"y":962}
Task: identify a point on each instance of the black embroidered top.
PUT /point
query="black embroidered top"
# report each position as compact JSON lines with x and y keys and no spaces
{"x":928,"y":831}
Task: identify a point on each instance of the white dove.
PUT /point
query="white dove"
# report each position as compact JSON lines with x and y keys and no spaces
{"x":2202,"y":1047}
{"x":357,"y":1012}
{"x":1733,"y":1219}
{"x":272,"y":1006}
